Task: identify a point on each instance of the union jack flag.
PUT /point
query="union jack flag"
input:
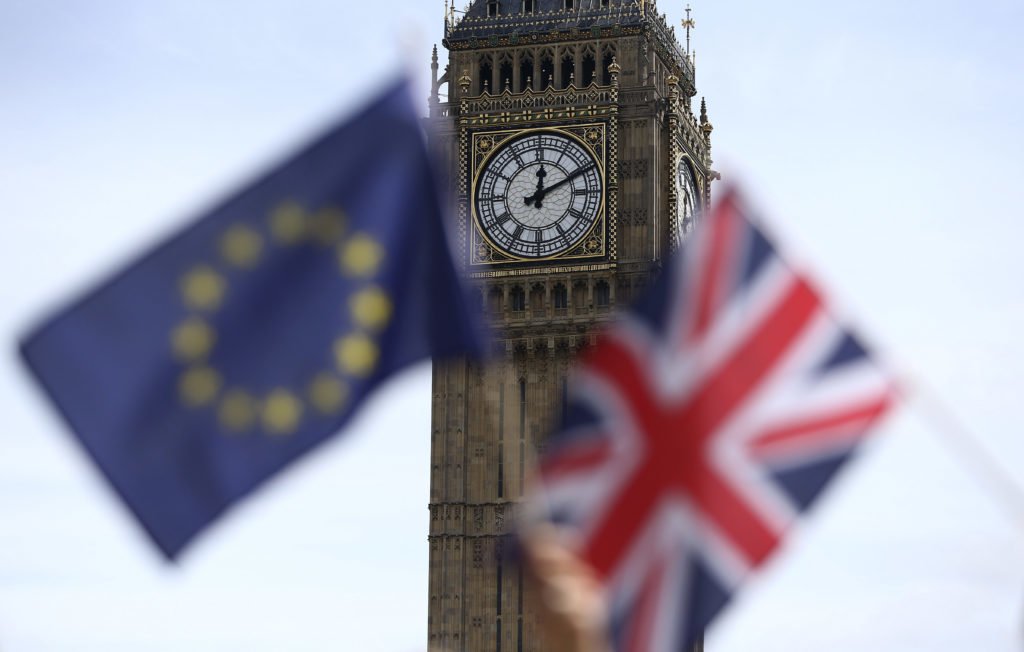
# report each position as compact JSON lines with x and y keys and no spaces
{"x":703,"y":423}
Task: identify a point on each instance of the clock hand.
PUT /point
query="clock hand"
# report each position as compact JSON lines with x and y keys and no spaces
{"x":538,"y":197}
{"x":569,"y":178}
{"x":540,"y":185}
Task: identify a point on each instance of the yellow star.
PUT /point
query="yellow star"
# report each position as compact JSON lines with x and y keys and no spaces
{"x":203,"y":288}
{"x":199,"y":386}
{"x":192,"y":340}
{"x":282,"y":412}
{"x":241,"y":246}
{"x":361,"y":256}
{"x":327,"y":226}
{"x":371,"y":308}
{"x":288,"y":223}
{"x":237,"y":411}
{"x":356,"y":354}
{"x":327,"y":394}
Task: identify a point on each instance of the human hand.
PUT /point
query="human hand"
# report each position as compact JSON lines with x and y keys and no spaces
{"x":572,"y":607}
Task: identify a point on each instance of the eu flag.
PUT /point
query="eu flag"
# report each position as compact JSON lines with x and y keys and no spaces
{"x":224,"y":354}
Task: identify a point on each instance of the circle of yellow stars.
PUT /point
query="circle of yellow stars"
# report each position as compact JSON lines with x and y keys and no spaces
{"x":354,"y":355}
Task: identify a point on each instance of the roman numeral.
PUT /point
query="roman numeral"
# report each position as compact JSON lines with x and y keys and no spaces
{"x":562,"y":235}
{"x":563,"y":151}
{"x":518,"y":232}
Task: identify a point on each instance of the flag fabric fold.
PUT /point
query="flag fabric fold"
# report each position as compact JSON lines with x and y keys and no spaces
{"x":704,"y":422}
{"x":255,"y":334}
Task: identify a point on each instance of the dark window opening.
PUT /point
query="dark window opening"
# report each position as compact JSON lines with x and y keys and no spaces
{"x":525,"y":74}
{"x":606,"y":75}
{"x":486,"y":72}
{"x":589,"y":69}
{"x":605,"y":4}
{"x":579,"y":296}
{"x":568,"y":70}
{"x":569,"y":4}
{"x":518,"y":297}
{"x":537,"y":300}
{"x":501,"y":470}
{"x":505,"y":72}
{"x":500,"y":576}
{"x":547,"y":73}
{"x":602,"y":294}
{"x":528,"y":6}
{"x":559,"y":297}
{"x":494,"y":301}
{"x":492,"y":9}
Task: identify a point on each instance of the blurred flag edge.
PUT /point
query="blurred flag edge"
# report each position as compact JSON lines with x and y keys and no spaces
{"x":708,"y":417}
{"x":254,"y":334}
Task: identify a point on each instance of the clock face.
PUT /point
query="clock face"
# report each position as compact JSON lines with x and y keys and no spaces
{"x":687,"y":202}
{"x":539,"y":195}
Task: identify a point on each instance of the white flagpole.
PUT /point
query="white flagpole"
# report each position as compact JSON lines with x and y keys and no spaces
{"x":965,"y":446}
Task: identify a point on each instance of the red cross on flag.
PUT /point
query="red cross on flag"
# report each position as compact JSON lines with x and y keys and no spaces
{"x":707,"y":418}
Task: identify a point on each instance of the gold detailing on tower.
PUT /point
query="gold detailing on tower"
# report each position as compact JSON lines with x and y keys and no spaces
{"x":688,"y":24}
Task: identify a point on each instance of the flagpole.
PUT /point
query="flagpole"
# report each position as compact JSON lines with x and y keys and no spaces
{"x":966,"y":447}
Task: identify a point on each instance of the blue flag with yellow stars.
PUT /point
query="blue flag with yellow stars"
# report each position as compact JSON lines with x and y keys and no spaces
{"x":224,"y":354}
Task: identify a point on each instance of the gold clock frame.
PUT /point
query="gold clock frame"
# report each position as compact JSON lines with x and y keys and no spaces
{"x":593,"y":245}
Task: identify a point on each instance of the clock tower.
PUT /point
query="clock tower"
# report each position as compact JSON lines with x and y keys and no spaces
{"x":576,"y":162}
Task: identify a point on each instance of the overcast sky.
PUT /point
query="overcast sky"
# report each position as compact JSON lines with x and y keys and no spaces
{"x":883,"y":140}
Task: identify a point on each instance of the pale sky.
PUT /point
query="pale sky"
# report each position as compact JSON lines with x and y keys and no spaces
{"x":883,"y":140}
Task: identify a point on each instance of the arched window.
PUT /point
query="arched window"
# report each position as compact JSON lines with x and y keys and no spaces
{"x":537,"y":300}
{"x":505,"y":75}
{"x":606,"y":62}
{"x":560,"y":298}
{"x":525,"y":73}
{"x":518,"y":299}
{"x":589,"y":69}
{"x":579,"y":297}
{"x":485,"y":74}
{"x":547,"y":71}
{"x":602,"y":294}
{"x":495,"y":299}
{"x":568,"y":69}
